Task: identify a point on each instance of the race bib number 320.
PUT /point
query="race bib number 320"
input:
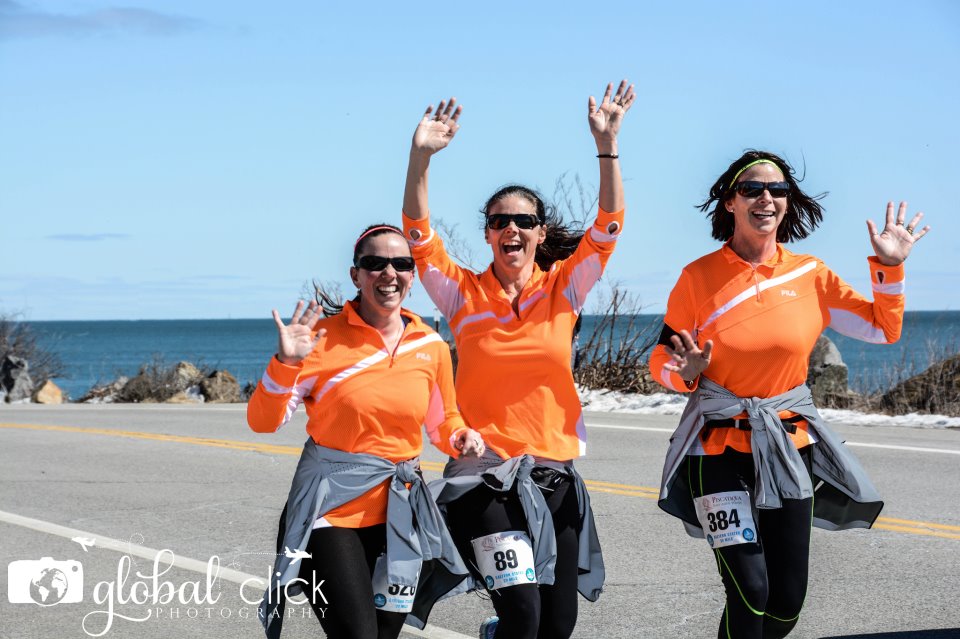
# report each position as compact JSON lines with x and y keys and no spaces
{"x":726,"y":518}
{"x":505,"y":559}
{"x":387,"y":596}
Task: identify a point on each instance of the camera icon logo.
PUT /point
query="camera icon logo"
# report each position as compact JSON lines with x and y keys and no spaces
{"x":45,"y":581}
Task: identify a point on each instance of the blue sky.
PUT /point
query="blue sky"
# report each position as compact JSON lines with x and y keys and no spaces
{"x":192,"y":159}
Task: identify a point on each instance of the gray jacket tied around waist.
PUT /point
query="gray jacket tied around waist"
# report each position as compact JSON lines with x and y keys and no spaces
{"x":325,"y":479}
{"x":845,"y":496}
{"x":464,"y":474}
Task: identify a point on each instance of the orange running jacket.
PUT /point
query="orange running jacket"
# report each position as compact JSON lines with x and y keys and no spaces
{"x":360,"y":398}
{"x":514,"y":382}
{"x":765,"y":321}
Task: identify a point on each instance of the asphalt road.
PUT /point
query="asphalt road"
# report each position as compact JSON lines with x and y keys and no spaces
{"x":194,"y":480}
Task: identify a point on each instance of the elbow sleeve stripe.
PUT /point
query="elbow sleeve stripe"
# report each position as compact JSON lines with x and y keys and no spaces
{"x":582,"y":278}
{"x":297,"y":393}
{"x":667,"y":380}
{"x":891,"y":288}
{"x":444,"y":291}
{"x":750,"y":292}
{"x":852,"y":325}
{"x":272,"y":387}
{"x":420,"y":241}
{"x":582,"y":435}
{"x":597,"y":235}
{"x":435,"y":415}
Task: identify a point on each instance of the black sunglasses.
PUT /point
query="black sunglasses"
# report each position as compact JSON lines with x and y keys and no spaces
{"x":752,"y":188}
{"x":499,"y":221}
{"x":377,"y":263}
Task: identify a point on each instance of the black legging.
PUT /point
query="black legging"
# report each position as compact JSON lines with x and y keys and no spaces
{"x":526,"y":611}
{"x":766,"y":581}
{"x":345,"y":559}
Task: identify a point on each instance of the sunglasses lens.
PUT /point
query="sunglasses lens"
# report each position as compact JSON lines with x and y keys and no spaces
{"x":778,"y":189}
{"x":749,"y":188}
{"x":372,"y":263}
{"x":402,"y":263}
{"x":377,"y":263}
{"x":499,"y":221}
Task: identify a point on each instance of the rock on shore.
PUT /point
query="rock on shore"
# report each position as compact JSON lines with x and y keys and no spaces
{"x":181,"y":383}
{"x":935,"y":390}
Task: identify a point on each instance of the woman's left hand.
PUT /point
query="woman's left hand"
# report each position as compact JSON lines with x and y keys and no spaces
{"x":605,"y":119}
{"x":469,"y":443}
{"x":893,"y":244}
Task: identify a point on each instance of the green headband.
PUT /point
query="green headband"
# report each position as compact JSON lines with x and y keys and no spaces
{"x":754,"y":163}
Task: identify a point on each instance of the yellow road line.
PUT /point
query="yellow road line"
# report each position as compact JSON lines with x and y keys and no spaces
{"x":891,"y":520}
{"x":916,"y":531}
{"x":883,"y":523}
{"x":607,"y":484}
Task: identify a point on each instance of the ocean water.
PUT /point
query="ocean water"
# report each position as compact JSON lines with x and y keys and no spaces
{"x":98,"y":352}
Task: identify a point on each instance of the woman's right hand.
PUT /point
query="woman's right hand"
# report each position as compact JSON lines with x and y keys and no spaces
{"x":470,"y":443}
{"x":688,"y":359}
{"x":436,"y":129}
{"x":297,"y":339}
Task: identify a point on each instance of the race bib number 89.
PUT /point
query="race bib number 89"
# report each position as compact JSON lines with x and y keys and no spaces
{"x":726,"y":518}
{"x":505,"y":559}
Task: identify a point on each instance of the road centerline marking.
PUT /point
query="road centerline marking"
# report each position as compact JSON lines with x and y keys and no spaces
{"x":628,"y":490}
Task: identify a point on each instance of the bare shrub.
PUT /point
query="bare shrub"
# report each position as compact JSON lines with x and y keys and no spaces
{"x":614,"y":355}
{"x":19,"y":340}
{"x":158,"y":381}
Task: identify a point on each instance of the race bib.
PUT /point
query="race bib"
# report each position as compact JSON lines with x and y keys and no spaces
{"x":505,"y":559}
{"x":390,"y":597}
{"x":726,"y":518}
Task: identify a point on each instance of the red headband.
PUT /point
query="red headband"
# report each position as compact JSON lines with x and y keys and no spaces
{"x":376,"y":228}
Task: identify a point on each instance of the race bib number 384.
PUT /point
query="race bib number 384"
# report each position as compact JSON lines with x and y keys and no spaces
{"x":726,"y":518}
{"x":505,"y":559}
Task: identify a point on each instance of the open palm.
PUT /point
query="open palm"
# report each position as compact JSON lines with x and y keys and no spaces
{"x":297,"y":339}
{"x":894,"y":243}
{"x":605,"y":119}
{"x":436,"y":130}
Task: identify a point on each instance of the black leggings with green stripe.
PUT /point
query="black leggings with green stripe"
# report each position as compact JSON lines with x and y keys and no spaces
{"x":765,"y":581}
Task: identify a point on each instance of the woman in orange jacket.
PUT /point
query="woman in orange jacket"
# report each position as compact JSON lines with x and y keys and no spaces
{"x":740,"y":325}
{"x":513,"y":325}
{"x":369,"y":376}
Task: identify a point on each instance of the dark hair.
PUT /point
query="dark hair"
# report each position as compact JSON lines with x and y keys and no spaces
{"x":804,"y":212}
{"x":561,"y":238}
{"x":372,"y":231}
{"x":328,"y":297}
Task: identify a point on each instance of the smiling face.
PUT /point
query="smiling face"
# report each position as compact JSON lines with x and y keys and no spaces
{"x":514,"y":248}
{"x":757,"y":218}
{"x":382,"y":292}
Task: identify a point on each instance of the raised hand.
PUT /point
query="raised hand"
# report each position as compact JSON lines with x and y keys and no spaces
{"x":894,"y":243}
{"x":688,"y":359}
{"x":470,"y":443}
{"x":297,"y":339}
{"x":605,"y":119}
{"x":437,"y":129}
